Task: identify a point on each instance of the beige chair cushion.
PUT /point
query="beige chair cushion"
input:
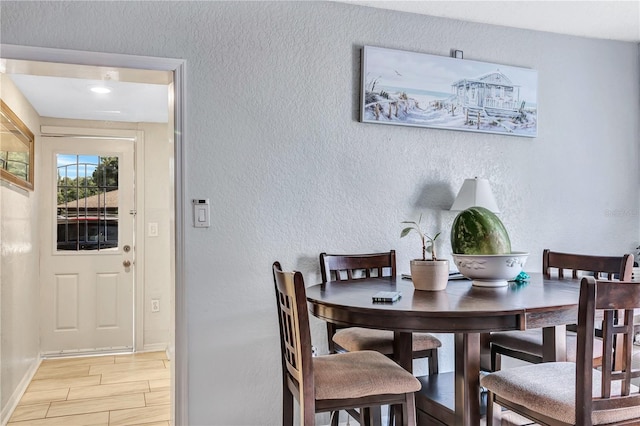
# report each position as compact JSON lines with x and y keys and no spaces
{"x":361,"y":339}
{"x":549,"y":389}
{"x":530,"y":341}
{"x":358,"y":374}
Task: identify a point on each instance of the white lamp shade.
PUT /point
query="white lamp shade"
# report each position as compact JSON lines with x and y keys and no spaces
{"x":475,"y":192}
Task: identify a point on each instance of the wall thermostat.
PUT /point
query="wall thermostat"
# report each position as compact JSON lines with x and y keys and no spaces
{"x":201,"y":212}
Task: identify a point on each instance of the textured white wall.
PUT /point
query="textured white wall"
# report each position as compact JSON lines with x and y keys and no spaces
{"x":18,"y":266}
{"x":158,"y":203}
{"x":273,"y":139}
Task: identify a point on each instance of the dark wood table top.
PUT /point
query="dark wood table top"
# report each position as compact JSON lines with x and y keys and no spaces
{"x":461,"y":307}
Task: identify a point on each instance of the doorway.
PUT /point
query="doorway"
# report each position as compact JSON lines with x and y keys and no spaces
{"x":85,"y":61}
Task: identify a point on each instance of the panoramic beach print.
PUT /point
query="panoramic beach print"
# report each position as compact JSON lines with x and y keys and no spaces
{"x":416,"y":89}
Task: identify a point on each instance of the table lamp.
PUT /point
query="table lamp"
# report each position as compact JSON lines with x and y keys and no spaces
{"x":475,"y":192}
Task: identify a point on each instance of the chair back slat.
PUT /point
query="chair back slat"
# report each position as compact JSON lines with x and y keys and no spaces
{"x":617,"y":299}
{"x":602,"y":267}
{"x":348,"y":267}
{"x":295,"y":334}
{"x":608,"y":343}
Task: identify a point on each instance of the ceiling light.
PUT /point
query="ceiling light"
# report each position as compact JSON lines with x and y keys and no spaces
{"x":100,"y":89}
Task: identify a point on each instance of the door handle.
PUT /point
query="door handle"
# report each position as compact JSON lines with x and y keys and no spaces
{"x":126,"y":263}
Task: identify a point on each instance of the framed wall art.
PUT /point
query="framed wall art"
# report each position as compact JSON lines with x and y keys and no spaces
{"x":422,"y":90}
{"x":16,"y":149}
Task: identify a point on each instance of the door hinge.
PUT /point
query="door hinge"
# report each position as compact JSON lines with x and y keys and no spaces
{"x":133,"y":212}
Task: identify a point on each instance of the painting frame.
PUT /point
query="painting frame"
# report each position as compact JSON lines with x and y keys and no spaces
{"x":17,"y":147}
{"x":406,"y":88}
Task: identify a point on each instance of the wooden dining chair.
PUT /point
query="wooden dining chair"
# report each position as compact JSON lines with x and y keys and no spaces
{"x":527,"y":345}
{"x":350,"y":267}
{"x":336,"y":381}
{"x":565,"y":393}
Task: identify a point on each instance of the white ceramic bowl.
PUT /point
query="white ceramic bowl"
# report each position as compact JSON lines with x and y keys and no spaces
{"x":490,"y":270}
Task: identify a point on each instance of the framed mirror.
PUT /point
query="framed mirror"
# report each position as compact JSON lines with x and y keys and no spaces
{"x":16,"y":149}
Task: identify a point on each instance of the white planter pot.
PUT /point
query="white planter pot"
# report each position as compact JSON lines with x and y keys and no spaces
{"x":430,"y":275}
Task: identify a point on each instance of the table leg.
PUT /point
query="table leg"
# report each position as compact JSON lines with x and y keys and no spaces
{"x":554,"y":343}
{"x":467,"y":379}
{"x":403,"y":349}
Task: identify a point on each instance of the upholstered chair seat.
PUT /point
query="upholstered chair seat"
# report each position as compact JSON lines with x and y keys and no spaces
{"x":359,"y":339}
{"x":555,"y":395}
{"x":360,"y":374}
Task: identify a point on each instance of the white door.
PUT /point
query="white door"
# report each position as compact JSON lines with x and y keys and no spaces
{"x":87,"y":255}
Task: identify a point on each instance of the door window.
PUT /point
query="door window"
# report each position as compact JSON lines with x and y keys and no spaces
{"x":87,"y":202}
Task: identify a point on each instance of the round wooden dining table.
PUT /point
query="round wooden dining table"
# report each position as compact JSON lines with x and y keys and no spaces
{"x":468,"y":311}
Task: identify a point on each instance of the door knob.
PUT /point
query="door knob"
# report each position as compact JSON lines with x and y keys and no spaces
{"x":126,"y":263}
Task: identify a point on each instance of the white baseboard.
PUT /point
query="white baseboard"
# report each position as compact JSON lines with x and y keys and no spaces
{"x":12,"y":403}
{"x":155,"y":347}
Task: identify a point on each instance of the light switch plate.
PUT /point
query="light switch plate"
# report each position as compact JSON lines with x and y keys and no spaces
{"x":201,"y":212}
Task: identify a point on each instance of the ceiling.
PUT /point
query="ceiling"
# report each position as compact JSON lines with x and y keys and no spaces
{"x":62,"y":91}
{"x":603,"y":19}
{"x":64,"y":97}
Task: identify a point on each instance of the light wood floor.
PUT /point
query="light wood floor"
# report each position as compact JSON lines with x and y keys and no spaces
{"x":131,"y":389}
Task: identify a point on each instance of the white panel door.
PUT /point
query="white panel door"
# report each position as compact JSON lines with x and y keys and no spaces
{"x":87,"y":250}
